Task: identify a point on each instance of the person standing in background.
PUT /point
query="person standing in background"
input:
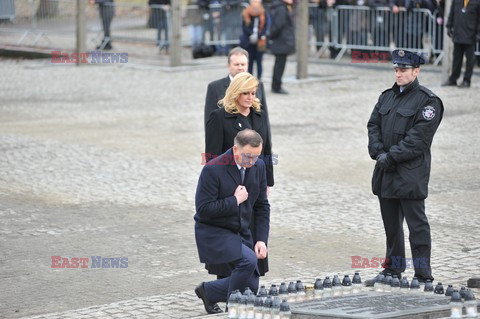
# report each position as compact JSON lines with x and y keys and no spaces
{"x":160,"y":10}
{"x":255,"y":24}
{"x":463,"y":27}
{"x":207,"y":23}
{"x":194,"y":19}
{"x":410,"y":25}
{"x":230,"y":24}
{"x":282,"y":36}
{"x":106,"y":9}
{"x":439,"y":23}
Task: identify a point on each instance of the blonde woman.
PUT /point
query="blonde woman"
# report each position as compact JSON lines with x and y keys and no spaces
{"x":240,"y":109}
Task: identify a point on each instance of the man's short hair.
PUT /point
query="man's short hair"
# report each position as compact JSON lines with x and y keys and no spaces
{"x":237,"y":50}
{"x":248,"y":137}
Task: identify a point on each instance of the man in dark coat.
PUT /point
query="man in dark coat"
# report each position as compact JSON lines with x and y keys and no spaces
{"x":237,"y":63}
{"x":282,"y":37}
{"x":231,"y":195}
{"x":400,"y":134}
{"x":463,"y":27}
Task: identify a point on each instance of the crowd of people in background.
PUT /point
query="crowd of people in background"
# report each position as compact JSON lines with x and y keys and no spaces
{"x":368,"y":26}
{"x":374,"y":23}
{"x":226,"y":23}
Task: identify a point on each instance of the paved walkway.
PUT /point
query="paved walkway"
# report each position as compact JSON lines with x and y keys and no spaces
{"x":104,"y":160}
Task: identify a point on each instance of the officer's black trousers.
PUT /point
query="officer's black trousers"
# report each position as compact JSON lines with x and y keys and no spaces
{"x":458,"y":51}
{"x":394,"y":211}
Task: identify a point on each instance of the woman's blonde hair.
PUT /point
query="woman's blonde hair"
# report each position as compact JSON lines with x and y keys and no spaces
{"x":242,"y":83}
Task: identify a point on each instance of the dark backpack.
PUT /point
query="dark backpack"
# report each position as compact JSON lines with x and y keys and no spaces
{"x":203,"y":51}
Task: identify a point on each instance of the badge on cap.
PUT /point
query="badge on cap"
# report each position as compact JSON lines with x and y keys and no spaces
{"x":428,"y":112}
{"x":401,"y":53}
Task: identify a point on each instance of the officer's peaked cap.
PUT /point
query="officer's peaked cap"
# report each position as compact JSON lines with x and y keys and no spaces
{"x":406,"y":59}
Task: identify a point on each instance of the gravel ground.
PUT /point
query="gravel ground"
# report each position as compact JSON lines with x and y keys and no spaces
{"x":104,"y":160}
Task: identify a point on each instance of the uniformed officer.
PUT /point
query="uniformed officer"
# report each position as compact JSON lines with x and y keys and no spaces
{"x":400,"y":133}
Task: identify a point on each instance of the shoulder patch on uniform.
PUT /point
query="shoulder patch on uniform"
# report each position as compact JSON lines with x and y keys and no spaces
{"x":428,"y":112}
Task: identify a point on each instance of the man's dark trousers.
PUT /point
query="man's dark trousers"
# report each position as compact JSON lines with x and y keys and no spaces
{"x":458,"y":51}
{"x":244,"y":272}
{"x":107,"y":11}
{"x":278,"y":69}
{"x":394,"y":211}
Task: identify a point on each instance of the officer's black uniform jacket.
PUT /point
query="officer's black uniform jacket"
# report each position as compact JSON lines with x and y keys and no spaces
{"x":403,"y":124}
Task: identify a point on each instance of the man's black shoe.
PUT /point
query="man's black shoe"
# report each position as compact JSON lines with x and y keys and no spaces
{"x":108,"y":46}
{"x":423,"y":280}
{"x":280,"y":91}
{"x":449,"y":83}
{"x":464,"y":84}
{"x":210,"y":308}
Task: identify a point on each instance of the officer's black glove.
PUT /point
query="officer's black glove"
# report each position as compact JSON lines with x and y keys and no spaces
{"x":450,"y":32}
{"x":386,"y":162}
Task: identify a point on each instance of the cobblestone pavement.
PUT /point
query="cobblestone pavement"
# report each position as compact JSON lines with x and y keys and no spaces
{"x":104,"y":160}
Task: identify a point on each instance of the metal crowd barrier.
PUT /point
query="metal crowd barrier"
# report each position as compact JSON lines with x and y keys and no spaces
{"x":375,"y":29}
{"x":365,"y":28}
{"x":37,"y":21}
{"x":7,"y":10}
{"x":51,"y":23}
{"x":218,"y":25}
{"x":47,"y":23}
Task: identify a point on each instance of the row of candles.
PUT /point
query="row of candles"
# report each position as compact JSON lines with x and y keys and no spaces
{"x":276,"y":303}
{"x":260,"y":306}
